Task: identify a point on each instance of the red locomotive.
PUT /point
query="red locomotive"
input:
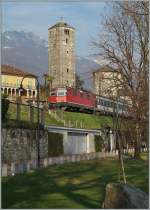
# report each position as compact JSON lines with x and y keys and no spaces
{"x":72,"y":99}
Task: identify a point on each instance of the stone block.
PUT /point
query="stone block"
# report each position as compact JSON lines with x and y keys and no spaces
{"x":61,"y":160}
{"x":73,"y":158}
{"x":28,"y":166}
{"x":49,"y":161}
{"x":4,"y":170}
{"x":124,"y":196}
{"x":45,"y":162}
{"x":12,"y":168}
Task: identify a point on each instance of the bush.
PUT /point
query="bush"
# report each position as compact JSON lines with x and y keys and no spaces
{"x":5,"y":107}
{"x":55,"y":144}
{"x":98,"y":143}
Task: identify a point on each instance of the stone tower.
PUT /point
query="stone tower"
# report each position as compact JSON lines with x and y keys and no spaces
{"x":61,"y":54}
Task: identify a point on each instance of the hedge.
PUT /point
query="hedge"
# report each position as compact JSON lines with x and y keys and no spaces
{"x":55,"y":144}
{"x":5,"y":107}
{"x":98,"y":143}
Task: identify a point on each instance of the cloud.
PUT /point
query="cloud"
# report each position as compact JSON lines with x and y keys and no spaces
{"x":39,"y":16}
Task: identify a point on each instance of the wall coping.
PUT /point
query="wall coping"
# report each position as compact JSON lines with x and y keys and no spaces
{"x":76,"y":130}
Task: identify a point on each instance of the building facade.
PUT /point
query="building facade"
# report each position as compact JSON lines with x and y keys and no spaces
{"x":61,"y":54}
{"x":106,"y":82}
{"x":11,"y":78}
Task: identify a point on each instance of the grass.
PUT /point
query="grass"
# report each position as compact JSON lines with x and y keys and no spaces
{"x":72,"y":185}
{"x":88,"y":120}
{"x":91,"y":121}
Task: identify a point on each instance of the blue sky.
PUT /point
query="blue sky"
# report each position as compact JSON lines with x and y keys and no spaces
{"x":37,"y":17}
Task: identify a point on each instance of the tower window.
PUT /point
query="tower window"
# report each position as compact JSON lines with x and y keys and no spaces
{"x":67,"y":70}
{"x":66,"y":31}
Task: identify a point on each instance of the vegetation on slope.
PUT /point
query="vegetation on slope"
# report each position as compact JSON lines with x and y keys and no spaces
{"x":72,"y":119}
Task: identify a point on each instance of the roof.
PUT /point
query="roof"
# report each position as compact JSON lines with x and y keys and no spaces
{"x":11,"y":70}
{"x":104,"y":69}
{"x":61,"y":24}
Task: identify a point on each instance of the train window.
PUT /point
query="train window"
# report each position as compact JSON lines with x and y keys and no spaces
{"x":61,"y":93}
{"x":52,"y":93}
{"x":108,"y":104}
{"x":101,"y":102}
{"x":120,"y":106}
{"x":105,"y":103}
{"x":111,"y":104}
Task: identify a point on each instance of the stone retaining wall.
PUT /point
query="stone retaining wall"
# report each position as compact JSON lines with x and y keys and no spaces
{"x":21,"y":144}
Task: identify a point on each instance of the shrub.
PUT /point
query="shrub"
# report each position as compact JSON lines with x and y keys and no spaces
{"x":98,"y":143}
{"x":55,"y":144}
{"x":5,"y":107}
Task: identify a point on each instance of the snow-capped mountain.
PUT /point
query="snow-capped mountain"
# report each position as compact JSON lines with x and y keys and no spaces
{"x":28,"y":51}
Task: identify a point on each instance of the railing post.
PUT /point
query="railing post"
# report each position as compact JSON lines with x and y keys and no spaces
{"x":18,"y":112}
{"x":31,"y":113}
{"x":42,"y":116}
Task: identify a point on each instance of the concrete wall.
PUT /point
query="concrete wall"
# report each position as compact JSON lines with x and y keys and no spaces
{"x":24,"y":166}
{"x":77,"y":143}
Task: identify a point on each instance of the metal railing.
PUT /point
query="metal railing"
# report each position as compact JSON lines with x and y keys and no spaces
{"x":25,"y":112}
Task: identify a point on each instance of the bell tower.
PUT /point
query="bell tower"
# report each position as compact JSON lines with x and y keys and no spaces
{"x":61,"y":54}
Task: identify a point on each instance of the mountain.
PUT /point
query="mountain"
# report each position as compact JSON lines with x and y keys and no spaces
{"x":29,"y":52}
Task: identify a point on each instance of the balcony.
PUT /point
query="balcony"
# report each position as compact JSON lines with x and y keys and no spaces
{"x":12,"y":85}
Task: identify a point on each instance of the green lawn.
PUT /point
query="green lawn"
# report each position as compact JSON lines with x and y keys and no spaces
{"x":72,"y":185}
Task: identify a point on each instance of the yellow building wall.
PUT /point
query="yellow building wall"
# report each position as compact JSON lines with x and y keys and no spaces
{"x":15,"y":81}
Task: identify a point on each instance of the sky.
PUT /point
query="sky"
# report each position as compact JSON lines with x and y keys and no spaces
{"x":38,"y":16}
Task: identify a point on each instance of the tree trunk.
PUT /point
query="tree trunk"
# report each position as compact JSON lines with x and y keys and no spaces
{"x":137,"y":144}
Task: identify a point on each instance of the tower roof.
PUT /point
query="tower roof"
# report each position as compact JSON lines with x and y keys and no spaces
{"x":61,"y":24}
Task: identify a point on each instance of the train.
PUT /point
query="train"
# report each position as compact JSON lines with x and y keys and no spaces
{"x":71,"y":99}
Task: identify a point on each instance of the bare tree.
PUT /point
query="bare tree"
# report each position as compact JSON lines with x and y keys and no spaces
{"x":124,"y":44}
{"x":79,"y":82}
